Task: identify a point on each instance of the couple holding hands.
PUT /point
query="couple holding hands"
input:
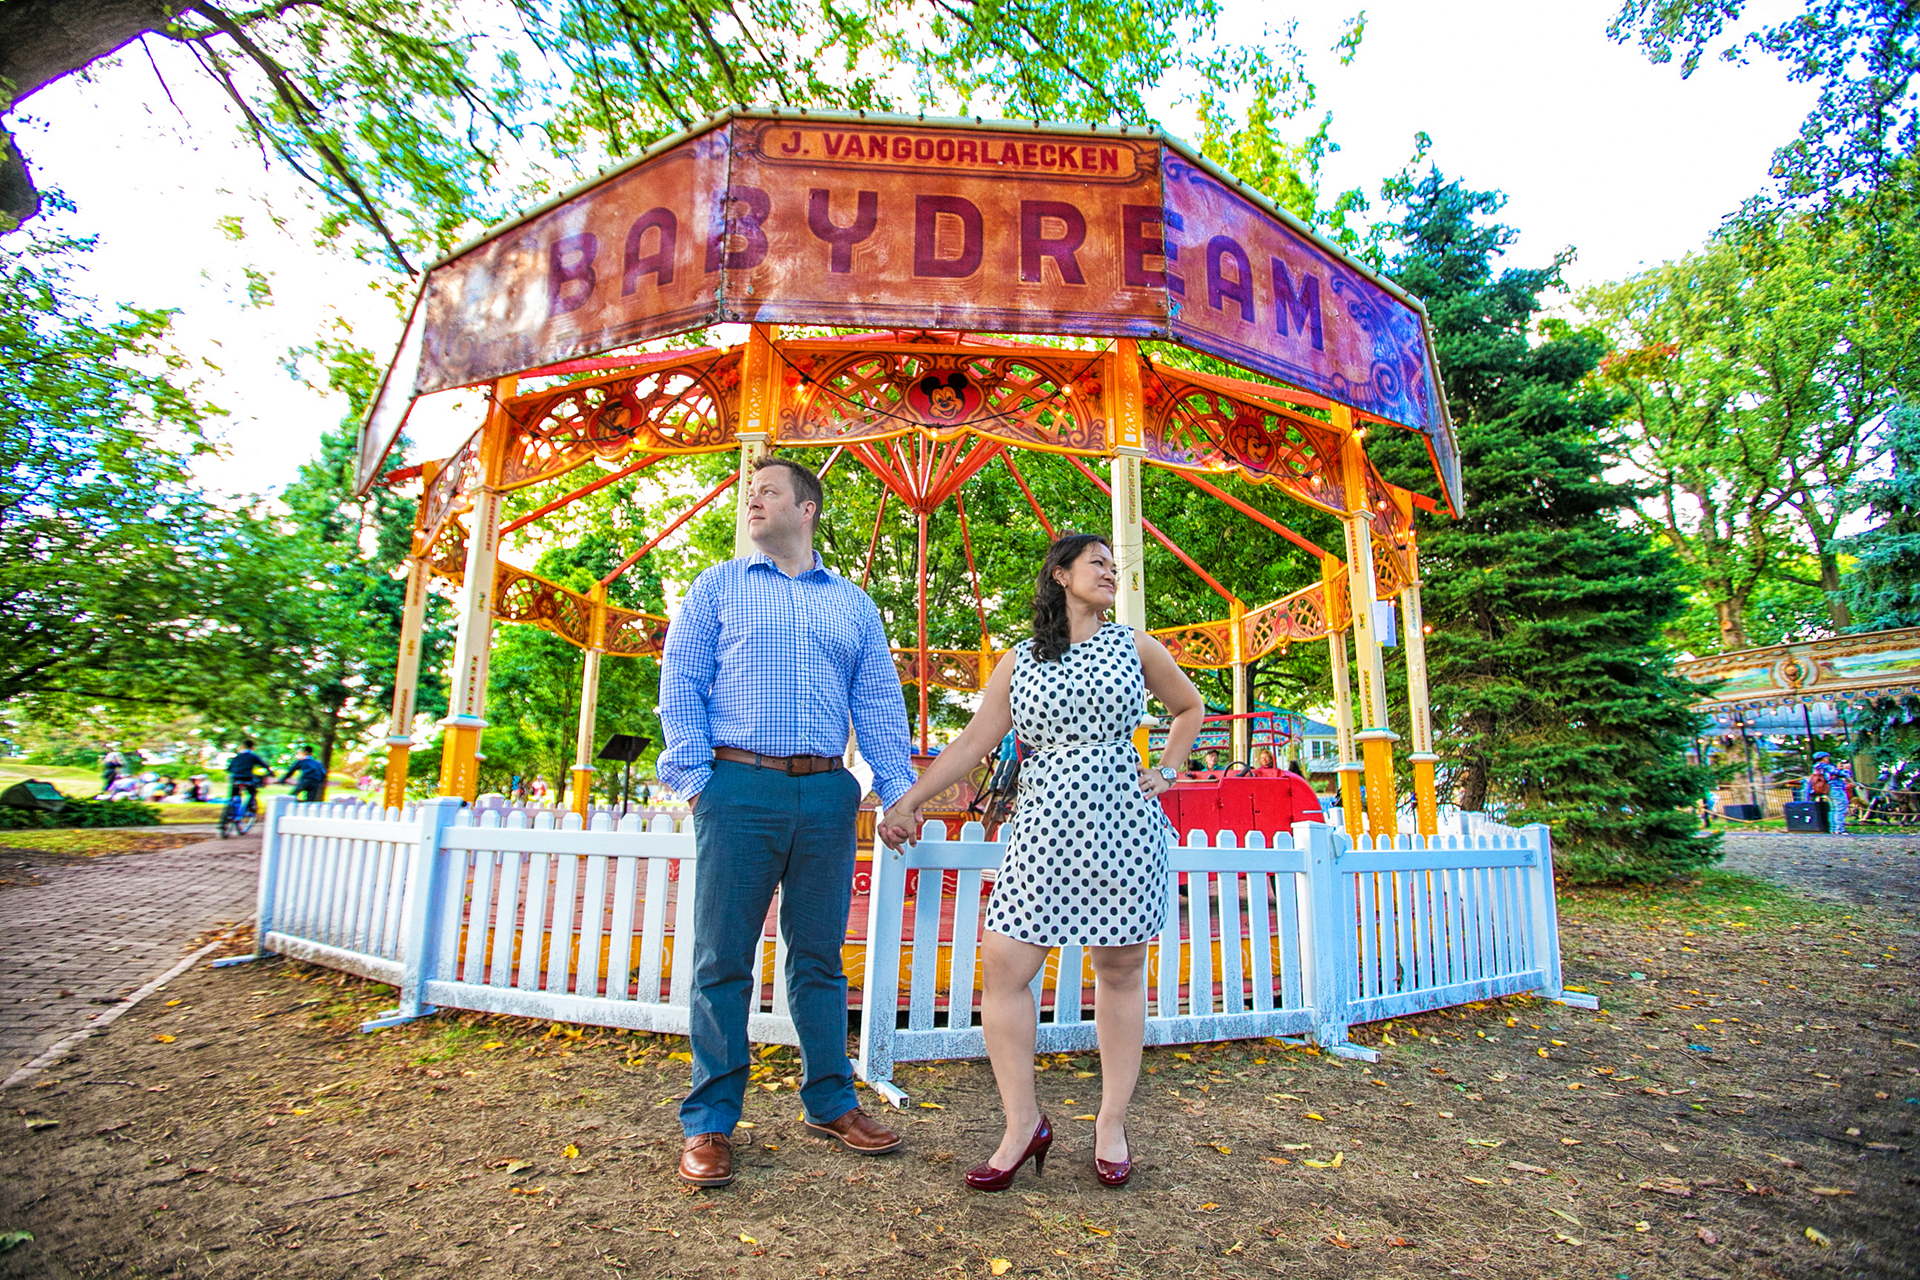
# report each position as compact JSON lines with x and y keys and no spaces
{"x":770,"y":660}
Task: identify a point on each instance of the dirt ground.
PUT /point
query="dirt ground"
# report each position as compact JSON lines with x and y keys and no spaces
{"x":1744,"y":1104}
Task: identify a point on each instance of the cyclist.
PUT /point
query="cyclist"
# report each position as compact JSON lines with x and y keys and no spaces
{"x":244,"y":772}
{"x":311,"y":773}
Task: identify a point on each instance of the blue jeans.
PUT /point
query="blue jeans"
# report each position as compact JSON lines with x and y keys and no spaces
{"x":756,"y":830}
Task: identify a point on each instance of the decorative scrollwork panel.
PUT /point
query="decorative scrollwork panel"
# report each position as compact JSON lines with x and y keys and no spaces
{"x":1047,"y":401}
{"x":635,"y":635}
{"x":685,"y":407}
{"x":1205,"y":644}
{"x":519,"y":596}
{"x":1203,"y":428}
{"x":956,"y":669}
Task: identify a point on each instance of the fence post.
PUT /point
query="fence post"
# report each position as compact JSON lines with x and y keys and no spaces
{"x":420,"y":919}
{"x":1546,"y":921}
{"x":1327,"y":935}
{"x":880,"y":992}
{"x":269,"y":884}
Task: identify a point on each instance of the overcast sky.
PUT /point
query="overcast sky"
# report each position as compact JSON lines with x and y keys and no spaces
{"x":1595,"y":148}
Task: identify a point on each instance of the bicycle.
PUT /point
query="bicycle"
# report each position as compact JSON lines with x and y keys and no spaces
{"x":241,"y":812}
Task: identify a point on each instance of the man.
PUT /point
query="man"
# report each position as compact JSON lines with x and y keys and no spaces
{"x":311,"y":775}
{"x":768,"y":661}
{"x":244,"y":772}
{"x":1834,"y":784}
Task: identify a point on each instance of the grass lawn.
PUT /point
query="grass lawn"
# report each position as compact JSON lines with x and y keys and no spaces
{"x":85,"y":843}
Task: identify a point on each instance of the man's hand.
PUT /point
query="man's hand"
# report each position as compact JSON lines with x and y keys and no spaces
{"x":897,"y":827}
{"x":692,"y":800}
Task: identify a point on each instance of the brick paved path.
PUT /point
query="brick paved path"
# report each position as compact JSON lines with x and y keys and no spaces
{"x":78,"y":934}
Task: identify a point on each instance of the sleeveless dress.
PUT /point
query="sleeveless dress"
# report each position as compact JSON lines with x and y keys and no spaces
{"x":1086,"y":860}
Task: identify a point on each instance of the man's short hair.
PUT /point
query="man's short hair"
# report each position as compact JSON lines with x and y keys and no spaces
{"x":806,"y":485}
{"x":246,"y":744}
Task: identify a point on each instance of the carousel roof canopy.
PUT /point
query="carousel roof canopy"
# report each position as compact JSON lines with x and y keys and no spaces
{"x":784,"y":216}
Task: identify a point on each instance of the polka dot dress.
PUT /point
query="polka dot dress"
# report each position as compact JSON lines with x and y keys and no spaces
{"x":1086,"y":860}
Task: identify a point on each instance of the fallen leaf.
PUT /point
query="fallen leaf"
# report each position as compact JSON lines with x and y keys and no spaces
{"x":1208,"y":1207}
{"x":1284,"y":1097}
{"x":1083,"y":1075}
{"x":34,"y":1126}
{"x":1668,"y":1187}
{"x":569,"y":1151}
{"x":1883,"y":1146}
{"x":1560,"y":1213}
{"x":1399,"y":1242}
{"x":999,"y":1266}
{"x":933,"y":1106}
{"x":1483,"y":1142}
{"x":1276,"y":1160}
{"x":526,"y":1191}
{"x":1340,"y":1238}
{"x":1541,"y":1051}
{"x":1819,"y":1239}
{"x":1564,"y":1238}
{"x":1296,"y":1146}
{"x":1315,"y":1115}
{"x":680,"y":1055}
{"x":747,"y":1239}
{"x":1706,"y":1237}
{"x":164,"y":1038}
{"x":519,"y":1166}
{"x":1184,"y":1057}
{"x":1643,"y":1226}
{"x":1830,"y":1191}
{"x":8,"y":1239}
{"x":1478,"y":1182}
{"x":496,"y":1044}
{"x":1570,"y":1142}
{"x":521,"y":1226}
{"x":1099,"y":1231}
{"x":1521,"y":1167}
{"x":172,"y":1003}
{"x":1223,"y":1148}
{"x":1084,"y":1117}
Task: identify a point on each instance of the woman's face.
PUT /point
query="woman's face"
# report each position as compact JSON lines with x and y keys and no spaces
{"x":1091,"y":578}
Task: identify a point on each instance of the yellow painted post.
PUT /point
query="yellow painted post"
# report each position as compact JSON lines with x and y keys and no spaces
{"x":1242,"y":728}
{"x":760,"y":384}
{"x":1126,"y":429}
{"x":589,"y":701}
{"x":473,"y":641}
{"x":1426,"y":802}
{"x":406,"y":684}
{"x":1333,"y":583}
{"x":1375,"y":738}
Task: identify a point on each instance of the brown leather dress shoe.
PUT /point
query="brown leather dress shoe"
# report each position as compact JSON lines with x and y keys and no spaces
{"x":707,"y":1160}
{"x":858,"y":1131}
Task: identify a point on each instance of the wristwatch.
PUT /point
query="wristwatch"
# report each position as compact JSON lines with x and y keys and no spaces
{"x":1169,"y":774}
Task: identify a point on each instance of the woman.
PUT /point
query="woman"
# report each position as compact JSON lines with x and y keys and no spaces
{"x":1086,"y":859}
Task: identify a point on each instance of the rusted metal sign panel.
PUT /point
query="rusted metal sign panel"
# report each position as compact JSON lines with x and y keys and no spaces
{"x":806,"y":219}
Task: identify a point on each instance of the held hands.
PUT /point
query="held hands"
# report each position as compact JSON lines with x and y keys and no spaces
{"x":899,"y":825}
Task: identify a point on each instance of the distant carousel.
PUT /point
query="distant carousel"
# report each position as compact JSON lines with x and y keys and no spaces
{"x":933,"y":240}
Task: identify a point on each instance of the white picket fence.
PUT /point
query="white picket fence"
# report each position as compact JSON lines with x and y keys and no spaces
{"x":497,"y":911}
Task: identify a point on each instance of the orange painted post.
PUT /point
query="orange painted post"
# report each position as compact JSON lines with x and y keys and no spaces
{"x":1426,"y":801}
{"x":589,"y":701}
{"x":1375,"y":738}
{"x":759,"y":406}
{"x":473,"y":641}
{"x":406,"y":683}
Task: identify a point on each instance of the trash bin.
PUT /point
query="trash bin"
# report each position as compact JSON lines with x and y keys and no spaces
{"x":33,"y":794}
{"x":1744,"y":812}
{"x":1807,"y":815}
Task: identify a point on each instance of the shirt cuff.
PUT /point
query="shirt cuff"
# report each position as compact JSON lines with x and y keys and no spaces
{"x":688,"y":782}
{"x":891,"y":791}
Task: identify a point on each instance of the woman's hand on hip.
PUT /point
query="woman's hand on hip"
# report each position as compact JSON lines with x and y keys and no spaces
{"x":1152,"y":783}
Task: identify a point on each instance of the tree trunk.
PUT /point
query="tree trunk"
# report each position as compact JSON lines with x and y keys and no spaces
{"x":1733,"y":623}
{"x":1476,"y":777}
{"x":1837,"y":611}
{"x":328,"y":737}
{"x":43,"y":40}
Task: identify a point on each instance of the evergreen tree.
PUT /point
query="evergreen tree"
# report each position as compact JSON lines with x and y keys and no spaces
{"x":1554,"y":701}
{"x":1883,"y":588}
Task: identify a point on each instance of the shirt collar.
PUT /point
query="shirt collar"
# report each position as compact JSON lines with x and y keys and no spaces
{"x":762,"y":558}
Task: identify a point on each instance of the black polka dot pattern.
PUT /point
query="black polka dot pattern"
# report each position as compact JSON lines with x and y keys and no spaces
{"x":1086,"y":860}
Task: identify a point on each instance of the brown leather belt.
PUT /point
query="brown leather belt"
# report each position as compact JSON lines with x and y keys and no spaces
{"x":792,"y":766}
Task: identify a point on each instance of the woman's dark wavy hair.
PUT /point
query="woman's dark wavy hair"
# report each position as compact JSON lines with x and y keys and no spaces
{"x":1050,"y":638}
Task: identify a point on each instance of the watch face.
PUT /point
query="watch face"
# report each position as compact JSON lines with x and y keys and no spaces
{"x":1167,"y":773}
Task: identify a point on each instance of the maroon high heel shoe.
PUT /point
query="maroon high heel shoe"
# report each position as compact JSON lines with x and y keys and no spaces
{"x":1114,"y":1173}
{"x":984,"y":1177}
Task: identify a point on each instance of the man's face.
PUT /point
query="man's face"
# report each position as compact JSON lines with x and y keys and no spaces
{"x":772,"y":514}
{"x":1213,"y":759}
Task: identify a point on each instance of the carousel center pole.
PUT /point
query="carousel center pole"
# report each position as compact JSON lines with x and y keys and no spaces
{"x":1332,"y":583}
{"x":589,"y":701}
{"x":759,"y":396}
{"x":473,"y":641}
{"x":1426,"y":802}
{"x":406,"y":682}
{"x":1375,"y":738}
{"x":1125,"y":432}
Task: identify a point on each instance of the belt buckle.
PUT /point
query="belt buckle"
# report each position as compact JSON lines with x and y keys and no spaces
{"x":793,"y":766}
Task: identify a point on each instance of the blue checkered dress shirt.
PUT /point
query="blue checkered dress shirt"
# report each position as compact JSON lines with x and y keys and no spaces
{"x":779,"y":666}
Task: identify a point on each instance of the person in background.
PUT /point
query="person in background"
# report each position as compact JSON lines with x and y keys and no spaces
{"x":1210,"y":760}
{"x":309,"y":776}
{"x":1295,"y":767}
{"x":538,"y":793}
{"x":111,"y":765}
{"x":1263,"y":758}
{"x":1834,"y":784}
